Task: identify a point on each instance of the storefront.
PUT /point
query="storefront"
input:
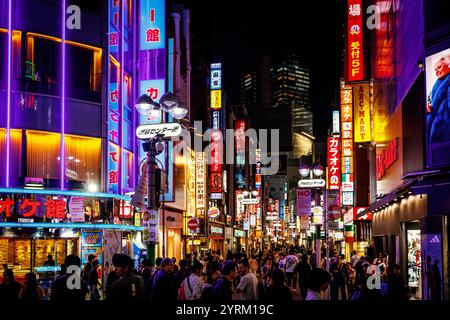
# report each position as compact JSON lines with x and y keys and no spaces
{"x":216,"y":236}
{"x":38,"y":223}
{"x":239,"y":239}
{"x":173,"y":224}
{"x":228,"y":239}
{"x":357,"y":231}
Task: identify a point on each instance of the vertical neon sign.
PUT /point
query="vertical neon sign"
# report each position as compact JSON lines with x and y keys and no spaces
{"x":63,"y":94}
{"x":355,"y":56}
{"x":8,"y":94}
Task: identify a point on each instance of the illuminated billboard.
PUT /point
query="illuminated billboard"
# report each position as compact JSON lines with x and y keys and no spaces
{"x":438,"y":108}
{"x":355,"y":48}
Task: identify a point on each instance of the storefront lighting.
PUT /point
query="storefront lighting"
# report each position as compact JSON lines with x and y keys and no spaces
{"x":70,"y":158}
{"x":44,"y":225}
{"x":92,"y":187}
{"x":77,"y":160}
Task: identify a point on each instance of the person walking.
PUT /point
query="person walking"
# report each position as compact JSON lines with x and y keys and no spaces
{"x":338,"y":271}
{"x":303,"y":269}
{"x":278,"y":291}
{"x":193,"y":284}
{"x":130,"y":287}
{"x":60,"y":291}
{"x":396,"y":285}
{"x":164,"y":287}
{"x":223,"y":290}
{"x":9,"y":289}
{"x":50,"y":262}
{"x":291,"y":262}
{"x":253,"y":263}
{"x":318,"y":281}
{"x":436,"y":293}
{"x":30,"y":292}
{"x":208,"y":287}
{"x":93,"y":281}
{"x":248,"y":284}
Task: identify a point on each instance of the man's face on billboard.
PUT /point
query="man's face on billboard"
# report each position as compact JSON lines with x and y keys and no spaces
{"x":442,"y":69}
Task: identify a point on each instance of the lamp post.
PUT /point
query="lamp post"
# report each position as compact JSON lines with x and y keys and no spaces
{"x":145,"y":105}
{"x":317,"y":171}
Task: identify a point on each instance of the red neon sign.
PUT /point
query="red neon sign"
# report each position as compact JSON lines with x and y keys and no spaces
{"x":334,"y":163}
{"x":387,"y":158}
{"x":355,"y":56}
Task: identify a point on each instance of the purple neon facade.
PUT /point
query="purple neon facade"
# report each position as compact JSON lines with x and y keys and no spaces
{"x":63,"y":93}
{"x":8,"y":95}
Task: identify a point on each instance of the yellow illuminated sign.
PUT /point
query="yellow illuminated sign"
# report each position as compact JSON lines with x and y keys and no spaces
{"x":362,"y":132}
{"x":216,"y":99}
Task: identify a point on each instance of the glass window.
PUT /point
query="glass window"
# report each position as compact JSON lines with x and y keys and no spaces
{"x":43,"y":156}
{"x":83,"y":161}
{"x":84,"y":73}
{"x":42,"y":65}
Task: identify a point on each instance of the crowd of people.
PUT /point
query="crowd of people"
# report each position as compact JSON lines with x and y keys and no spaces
{"x":276,"y":275}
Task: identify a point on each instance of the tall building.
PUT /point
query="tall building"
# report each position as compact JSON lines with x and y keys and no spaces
{"x":68,"y":150}
{"x":291,"y":86}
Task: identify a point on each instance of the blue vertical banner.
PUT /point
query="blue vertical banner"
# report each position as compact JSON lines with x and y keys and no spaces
{"x":152,"y":31}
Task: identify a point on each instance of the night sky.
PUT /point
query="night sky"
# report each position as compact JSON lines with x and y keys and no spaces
{"x":238,"y":33}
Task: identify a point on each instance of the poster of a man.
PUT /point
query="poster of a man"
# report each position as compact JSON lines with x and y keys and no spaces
{"x":438,"y":104}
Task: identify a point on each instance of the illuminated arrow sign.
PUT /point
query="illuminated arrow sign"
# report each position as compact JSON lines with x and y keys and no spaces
{"x":167,"y":130}
{"x":311,"y":183}
{"x":250,"y":201}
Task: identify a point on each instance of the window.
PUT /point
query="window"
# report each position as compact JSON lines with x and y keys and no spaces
{"x":42,"y":65}
{"x":83,"y":159}
{"x":84,"y":72}
{"x":43,"y":155}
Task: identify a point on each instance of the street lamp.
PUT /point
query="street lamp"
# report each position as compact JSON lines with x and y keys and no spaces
{"x":146,"y":106}
{"x":318,"y":170}
{"x":304,"y":170}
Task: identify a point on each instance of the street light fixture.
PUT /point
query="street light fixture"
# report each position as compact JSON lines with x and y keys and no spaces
{"x":304,"y":170}
{"x":145,"y":105}
{"x":318,"y":170}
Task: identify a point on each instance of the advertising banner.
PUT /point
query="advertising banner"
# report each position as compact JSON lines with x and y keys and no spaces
{"x":362,"y":113}
{"x":438,"y":109}
{"x":355,"y":47}
{"x":334,"y":163}
{"x":304,"y":202}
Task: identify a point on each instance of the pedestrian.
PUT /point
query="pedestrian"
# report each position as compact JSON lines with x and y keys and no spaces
{"x":303,"y":269}
{"x":396,"y":285}
{"x":339,"y":274}
{"x":146,"y":269}
{"x":93,"y":281}
{"x":266,"y":270}
{"x":253,"y":263}
{"x":149,"y":283}
{"x":229,"y":255}
{"x":164,"y":287}
{"x":354,"y":258}
{"x":318,"y":281}
{"x":182,"y":273}
{"x":50,"y":262}
{"x":130,"y":287}
{"x":112,"y":275}
{"x":175,"y":267}
{"x":30,"y":292}
{"x":248,"y":284}
{"x":60,"y":291}
{"x":291,"y":262}
{"x":350,"y":278}
{"x":88,"y":267}
{"x":9,"y":289}
{"x":223,"y":290}
{"x":436,"y":293}
{"x":192,"y":285}
{"x":208,"y":287}
{"x":278,"y":291}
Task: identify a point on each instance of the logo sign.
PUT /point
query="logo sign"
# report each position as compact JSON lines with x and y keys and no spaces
{"x":362,"y":113}
{"x":216,"y":99}
{"x":200,"y":179}
{"x":336,"y":122}
{"x":193,"y":224}
{"x":71,"y":174}
{"x":253,"y":220}
{"x":347,"y":186}
{"x":250,"y":201}
{"x":152,"y":33}
{"x":303,"y":202}
{"x":239,"y":233}
{"x":168,"y":130}
{"x":349,"y":216}
{"x":347,"y":198}
{"x":311,"y":183}
{"x":213,"y":212}
{"x":333,"y":204}
{"x":354,"y":55}
{"x":216,"y":230}
{"x":215,"y":196}
{"x":216,"y":76}
{"x":334,"y":163}
{"x":387,"y":158}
